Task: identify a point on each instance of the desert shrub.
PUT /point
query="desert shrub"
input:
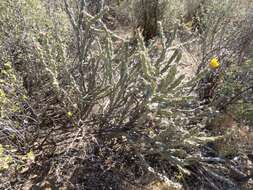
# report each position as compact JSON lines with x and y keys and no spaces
{"x":146,"y":14}
{"x":10,"y":109}
{"x":235,"y":89}
{"x":118,"y":95}
{"x":101,"y":112}
{"x":173,"y":11}
{"x":222,"y":28}
{"x":21,"y":23}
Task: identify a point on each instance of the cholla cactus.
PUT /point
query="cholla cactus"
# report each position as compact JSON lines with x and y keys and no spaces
{"x":98,"y":100}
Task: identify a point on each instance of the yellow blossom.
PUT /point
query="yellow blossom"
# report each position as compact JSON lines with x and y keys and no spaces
{"x":214,"y":63}
{"x":69,"y":114}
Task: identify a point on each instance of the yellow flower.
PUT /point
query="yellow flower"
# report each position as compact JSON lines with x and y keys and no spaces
{"x":214,"y":63}
{"x":69,"y":114}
